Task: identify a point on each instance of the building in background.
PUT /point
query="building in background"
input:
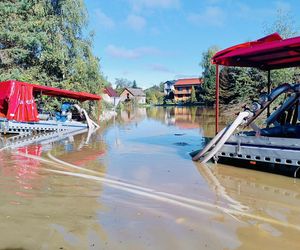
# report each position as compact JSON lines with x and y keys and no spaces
{"x":183,"y":88}
{"x":169,"y":87}
{"x":135,"y":94}
{"x":110,"y":95}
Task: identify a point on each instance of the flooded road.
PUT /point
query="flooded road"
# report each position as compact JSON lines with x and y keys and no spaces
{"x":132,"y":185}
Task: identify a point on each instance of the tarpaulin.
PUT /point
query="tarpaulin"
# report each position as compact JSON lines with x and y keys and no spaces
{"x":270,"y":52}
{"x":17,"y":102}
{"x":17,"y":99}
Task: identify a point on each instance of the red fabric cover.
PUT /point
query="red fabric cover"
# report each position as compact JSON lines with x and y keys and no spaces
{"x":270,"y":52}
{"x":50,"y":91}
{"x":17,"y":101}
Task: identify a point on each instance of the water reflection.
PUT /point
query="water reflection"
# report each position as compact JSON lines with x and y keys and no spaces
{"x":187,"y":118}
{"x":271,"y":204}
{"x":132,"y":185}
{"x":40,"y":210}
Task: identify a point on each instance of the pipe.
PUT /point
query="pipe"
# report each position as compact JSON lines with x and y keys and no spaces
{"x":295,"y":173}
{"x":274,"y":94}
{"x":238,"y":121}
{"x":90,"y":122}
{"x":210,"y":144}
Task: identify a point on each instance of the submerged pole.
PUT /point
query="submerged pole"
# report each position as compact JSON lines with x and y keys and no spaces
{"x":217,"y":98}
{"x":269,"y":90}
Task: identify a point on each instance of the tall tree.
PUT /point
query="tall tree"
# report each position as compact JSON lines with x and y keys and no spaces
{"x":134,"y":85}
{"x":209,"y":75}
{"x":122,"y":83}
{"x":42,"y":41}
{"x":193,"y":95}
{"x":285,"y":25}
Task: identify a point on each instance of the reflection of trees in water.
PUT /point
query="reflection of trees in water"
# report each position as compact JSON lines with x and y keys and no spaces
{"x":78,"y":152}
{"x":131,"y":115}
{"x":186,"y":117}
{"x":157,"y":113}
{"x":275,"y":199}
{"x":42,"y":210}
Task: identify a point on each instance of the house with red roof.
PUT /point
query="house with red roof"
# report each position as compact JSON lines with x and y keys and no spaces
{"x":183,"y":88}
{"x":111,"y":96}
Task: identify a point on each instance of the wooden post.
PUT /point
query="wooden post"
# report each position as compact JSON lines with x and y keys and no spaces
{"x":217,"y":98}
{"x":269,"y":90}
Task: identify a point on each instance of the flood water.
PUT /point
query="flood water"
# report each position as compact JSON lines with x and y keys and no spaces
{"x":132,"y":185}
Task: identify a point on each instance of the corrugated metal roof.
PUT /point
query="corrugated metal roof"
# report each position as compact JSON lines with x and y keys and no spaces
{"x":136,"y":91}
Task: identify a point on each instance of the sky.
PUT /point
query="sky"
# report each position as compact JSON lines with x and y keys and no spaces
{"x":152,"y":41}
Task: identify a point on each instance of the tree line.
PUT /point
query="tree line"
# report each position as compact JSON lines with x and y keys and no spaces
{"x":43,"y":41}
{"x":239,"y":84}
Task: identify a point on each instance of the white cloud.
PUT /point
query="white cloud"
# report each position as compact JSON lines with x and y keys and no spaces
{"x":284,"y":6}
{"x":248,"y":12}
{"x":211,"y":15}
{"x":104,"y":20}
{"x":136,"y":53}
{"x":166,"y":4}
{"x":136,"y":22}
{"x":160,"y":68}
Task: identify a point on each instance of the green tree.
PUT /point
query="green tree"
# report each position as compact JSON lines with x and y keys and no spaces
{"x":162,"y":87}
{"x":42,"y":41}
{"x":209,"y":75}
{"x":153,"y":98}
{"x":193,"y":95}
{"x":154,"y":95}
{"x":134,"y":85}
{"x":122,"y":83}
{"x":285,"y":25}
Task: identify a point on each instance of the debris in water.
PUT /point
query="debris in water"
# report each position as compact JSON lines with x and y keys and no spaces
{"x":181,"y":144}
{"x":179,"y":134}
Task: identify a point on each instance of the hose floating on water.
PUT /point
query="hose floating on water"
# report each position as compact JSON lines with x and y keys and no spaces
{"x":217,"y":143}
{"x":210,"y":144}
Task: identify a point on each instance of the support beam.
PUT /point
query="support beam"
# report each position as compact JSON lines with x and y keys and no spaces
{"x":217,"y":98}
{"x":269,"y":90}
{"x":99,"y":111}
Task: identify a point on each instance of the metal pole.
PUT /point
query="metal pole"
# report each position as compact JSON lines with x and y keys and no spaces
{"x":99,"y":110}
{"x":269,"y":90}
{"x":217,"y":98}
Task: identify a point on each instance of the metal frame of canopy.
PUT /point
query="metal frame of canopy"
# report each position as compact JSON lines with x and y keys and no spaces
{"x":17,"y":99}
{"x":267,"y":53}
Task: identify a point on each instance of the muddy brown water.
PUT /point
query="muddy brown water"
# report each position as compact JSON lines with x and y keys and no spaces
{"x":132,"y":185}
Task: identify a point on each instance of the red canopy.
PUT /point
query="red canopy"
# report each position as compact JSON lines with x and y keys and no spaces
{"x":17,"y":99}
{"x":50,"y":91}
{"x":270,"y":52}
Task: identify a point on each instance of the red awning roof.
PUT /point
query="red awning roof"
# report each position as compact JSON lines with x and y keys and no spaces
{"x":17,"y":99}
{"x":50,"y":91}
{"x":111,"y":92}
{"x":189,"y":81}
{"x":270,"y":52}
